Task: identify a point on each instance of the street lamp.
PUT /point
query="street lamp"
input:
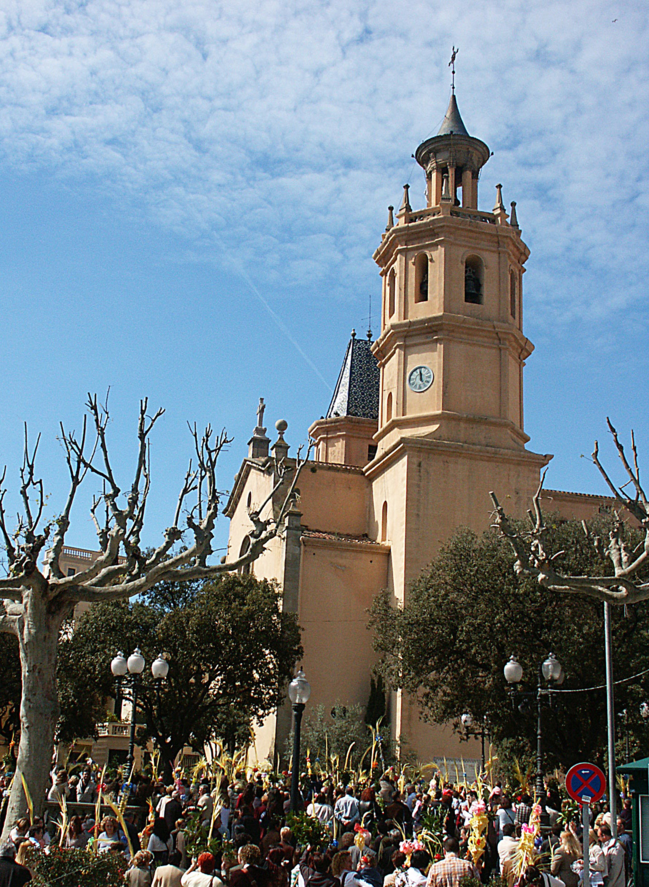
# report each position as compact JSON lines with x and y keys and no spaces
{"x":468,"y":723}
{"x":550,"y":671}
{"x":299,"y":691}
{"x":129,"y":671}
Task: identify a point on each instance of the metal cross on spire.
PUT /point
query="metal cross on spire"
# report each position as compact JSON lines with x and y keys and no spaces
{"x":451,"y":65}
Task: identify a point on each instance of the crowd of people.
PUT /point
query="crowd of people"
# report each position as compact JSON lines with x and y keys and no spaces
{"x":386,"y":833}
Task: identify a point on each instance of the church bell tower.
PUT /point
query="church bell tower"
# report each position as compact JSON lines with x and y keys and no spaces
{"x":452,"y":349}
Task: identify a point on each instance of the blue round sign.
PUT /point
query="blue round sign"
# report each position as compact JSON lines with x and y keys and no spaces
{"x":585,"y":783}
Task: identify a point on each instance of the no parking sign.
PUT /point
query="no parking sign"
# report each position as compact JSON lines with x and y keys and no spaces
{"x":585,"y":783}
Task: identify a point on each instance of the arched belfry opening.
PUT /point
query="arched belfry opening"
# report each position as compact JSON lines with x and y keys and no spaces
{"x":473,"y":280}
{"x":421,"y":278}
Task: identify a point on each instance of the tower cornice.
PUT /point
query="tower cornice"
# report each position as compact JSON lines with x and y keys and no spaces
{"x":446,"y":325}
{"x":435,"y":224}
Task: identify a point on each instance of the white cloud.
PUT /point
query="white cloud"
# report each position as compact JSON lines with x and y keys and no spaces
{"x":283,"y":130}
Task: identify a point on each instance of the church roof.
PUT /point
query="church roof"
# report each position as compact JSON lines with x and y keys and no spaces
{"x":452,"y":122}
{"x":357,"y":389}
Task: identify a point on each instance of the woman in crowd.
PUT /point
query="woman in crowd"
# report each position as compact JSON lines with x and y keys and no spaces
{"x":139,"y":873}
{"x":567,"y":853}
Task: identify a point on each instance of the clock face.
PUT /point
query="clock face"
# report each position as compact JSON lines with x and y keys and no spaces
{"x":421,"y":378}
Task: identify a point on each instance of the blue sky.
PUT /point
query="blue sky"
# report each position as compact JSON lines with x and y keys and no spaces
{"x":190,"y":196}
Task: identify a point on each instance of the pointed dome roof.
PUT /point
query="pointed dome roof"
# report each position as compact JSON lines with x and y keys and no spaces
{"x":357,"y":388}
{"x":452,"y":124}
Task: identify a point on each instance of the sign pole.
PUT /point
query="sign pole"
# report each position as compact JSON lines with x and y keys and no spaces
{"x":585,"y":824}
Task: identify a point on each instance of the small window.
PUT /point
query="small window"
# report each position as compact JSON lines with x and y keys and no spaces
{"x":384,"y":522}
{"x":512,"y":294}
{"x":388,"y":408}
{"x":421,"y":278}
{"x":473,"y":280}
{"x":249,"y":501}
{"x":371,"y":452}
{"x":71,"y":571}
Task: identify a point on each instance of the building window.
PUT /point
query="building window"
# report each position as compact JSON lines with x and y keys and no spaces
{"x":391,"y":292}
{"x":71,"y":571}
{"x":371,"y":452}
{"x":384,"y":522}
{"x":249,"y":501}
{"x":512,"y":294}
{"x":421,"y":278}
{"x":473,"y":280}
{"x":388,"y":407}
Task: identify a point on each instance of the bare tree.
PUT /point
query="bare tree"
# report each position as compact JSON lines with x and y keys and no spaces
{"x":38,"y":600}
{"x":624,"y":584}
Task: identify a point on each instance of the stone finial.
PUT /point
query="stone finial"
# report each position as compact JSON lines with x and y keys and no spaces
{"x":259,"y":443}
{"x":499,"y":209}
{"x":353,"y":334}
{"x":514,"y":218}
{"x":390,"y":224}
{"x":405,"y":203}
{"x":280,"y":447}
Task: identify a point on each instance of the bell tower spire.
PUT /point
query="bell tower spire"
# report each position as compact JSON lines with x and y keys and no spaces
{"x":452,"y":348}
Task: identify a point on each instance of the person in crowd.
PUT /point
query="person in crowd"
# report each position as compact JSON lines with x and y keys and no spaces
{"x":505,"y":815}
{"x":614,"y":855}
{"x":205,"y":804}
{"x":160,"y":842}
{"x":508,"y":845}
{"x":20,"y":829}
{"x":86,"y":787}
{"x":139,"y":872}
{"x":415,"y":874}
{"x":564,"y":857}
{"x":626,"y":841}
{"x":60,"y":788}
{"x":347,"y":810}
{"x":12,"y":874}
{"x":398,"y":861}
{"x":201,"y":873}
{"x":341,"y":866}
{"x":523,"y":810}
{"x":596,"y":859}
{"x":77,"y":837}
{"x":315,"y":870}
{"x":109,"y":835}
{"x":448,"y":872}
{"x":169,"y":875}
{"x":322,"y":811}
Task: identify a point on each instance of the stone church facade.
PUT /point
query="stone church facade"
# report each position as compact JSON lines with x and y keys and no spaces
{"x":424,"y":422}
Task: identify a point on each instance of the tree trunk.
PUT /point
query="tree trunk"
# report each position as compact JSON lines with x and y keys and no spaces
{"x":39,"y":710}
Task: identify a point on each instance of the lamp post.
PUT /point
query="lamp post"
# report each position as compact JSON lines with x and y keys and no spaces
{"x":481,"y":731}
{"x":129,"y":672}
{"x":299,"y":691}
{"x":550,"y":671}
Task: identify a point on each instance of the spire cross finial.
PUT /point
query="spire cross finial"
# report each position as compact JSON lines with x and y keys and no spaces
{"x":451,"y":65}
{"x":369,"y":321}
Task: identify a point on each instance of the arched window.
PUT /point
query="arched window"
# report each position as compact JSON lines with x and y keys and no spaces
{"x":473,"y":280}
{"x":388,"y":407}
{"x":512,"y":294}
{"x":391,"y":292}
{"x":384,"y":522}
{"x":421,"y":278}
{"x":246,"y":569}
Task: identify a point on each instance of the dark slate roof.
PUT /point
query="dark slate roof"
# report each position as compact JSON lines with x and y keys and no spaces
{"x":452,"y":123}
{"x":357,"y":389}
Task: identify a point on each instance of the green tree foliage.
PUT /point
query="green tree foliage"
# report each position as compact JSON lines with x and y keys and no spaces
{"x":231,"y":652}
{"x":75,"y":868}
{"x":468,"y":612}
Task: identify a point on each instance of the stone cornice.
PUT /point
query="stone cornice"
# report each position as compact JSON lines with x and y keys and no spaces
{"x":439,"y":325}
{"x":404,"y":444}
